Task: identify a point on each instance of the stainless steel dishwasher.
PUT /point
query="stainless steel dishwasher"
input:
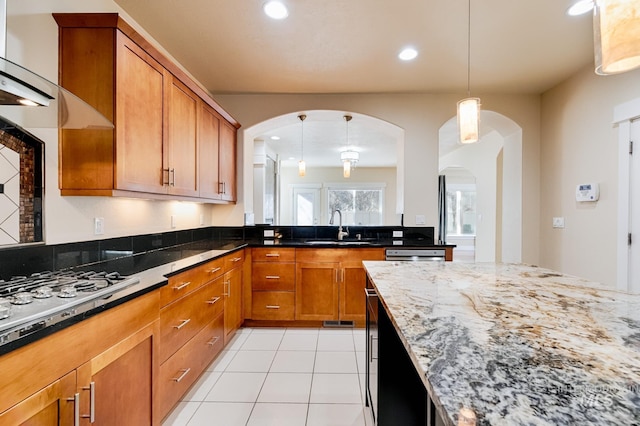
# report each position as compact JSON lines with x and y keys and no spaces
{"x":415,"y":254}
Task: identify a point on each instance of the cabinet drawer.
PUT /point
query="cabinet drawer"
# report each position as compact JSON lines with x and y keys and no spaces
{"x":273,"y":305}
{"x":188,"y":281}
{"x":233,"y":260}
{"x":181,"y":320}
{"x":273,"y":276}
{"x":179,"y":372}
{"x":273,"y":254}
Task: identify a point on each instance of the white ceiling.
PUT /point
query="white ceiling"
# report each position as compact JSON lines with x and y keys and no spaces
{"x":339,"y":46}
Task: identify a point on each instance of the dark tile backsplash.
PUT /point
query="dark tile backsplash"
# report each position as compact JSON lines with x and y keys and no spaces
{"x":124,"y":254}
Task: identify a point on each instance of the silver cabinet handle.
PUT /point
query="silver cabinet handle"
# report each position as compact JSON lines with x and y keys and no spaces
{"x":76,"y":408}
{"x":272,"y":277}
{"x":167,"y":181}
{"x":213,"y":301}
{"x":272,"y":255}
{"x":227,"y":289}
{"x":236,"y":259}
{"x":173,"y":175}
{"x":214,"y":270}
{"x":182,"y":324}
{"x":213,"y":341}
{"x":184,"y":373}
{"x":272,"y":306}
{"x":224,"y":187}
{"x":181,"y":286}
{"x":92,"y":402}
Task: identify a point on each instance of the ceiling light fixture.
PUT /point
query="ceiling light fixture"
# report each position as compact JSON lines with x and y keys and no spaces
{"x":302,"y":167}
{"x":469,"y":108}
{"x":408,"y":53}
{"x":580,"y":7}
{"x":275,"y":10}
{"x":616,"y":27}
{"x":275,"y":138}
{"x":348,"y":157}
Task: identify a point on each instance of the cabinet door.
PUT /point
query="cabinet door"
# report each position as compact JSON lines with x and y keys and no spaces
{"x":140,"y":150}
{"x":317,"y":291}
{"x":182,"y":107}
{"x":227,"y":162}
{"x":232,"y":302}
{"x":352,"y":297}
{"x":54,"y":405}
{"x":116,"y":386}
{"x":208,"y":140}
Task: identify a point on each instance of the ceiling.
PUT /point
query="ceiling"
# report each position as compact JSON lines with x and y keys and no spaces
{"x":340,"y":46}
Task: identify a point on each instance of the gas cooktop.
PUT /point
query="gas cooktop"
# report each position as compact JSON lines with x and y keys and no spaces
{"x":29,"y":304}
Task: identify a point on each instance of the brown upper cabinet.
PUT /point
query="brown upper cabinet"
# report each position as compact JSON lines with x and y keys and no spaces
{"x":171,"y":139}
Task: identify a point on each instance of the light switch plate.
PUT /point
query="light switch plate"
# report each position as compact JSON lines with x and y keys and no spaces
{"x":558,"y":222}
{"x":397,"y":234}
{"x":269,"y":233}
{"x":420,"y":219}
{"x":98,"y":226}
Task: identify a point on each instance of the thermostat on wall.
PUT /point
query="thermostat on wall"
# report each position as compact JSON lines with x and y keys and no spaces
{"x":587,"y":192}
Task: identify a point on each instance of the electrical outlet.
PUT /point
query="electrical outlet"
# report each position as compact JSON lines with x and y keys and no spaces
{"x":173,"y":221}
{"x":558,"y":222}
{"x":397,"y":234}
{"x":98,"y":225}
{"x":420,"y":219}
{"x":201,"y":220}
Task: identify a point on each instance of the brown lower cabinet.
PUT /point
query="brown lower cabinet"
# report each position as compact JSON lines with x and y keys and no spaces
{"x":134,"y":361}
{"x":108,"y":359}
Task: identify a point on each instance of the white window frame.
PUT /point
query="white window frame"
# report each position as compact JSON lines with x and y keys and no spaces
{"x":377,"y":186}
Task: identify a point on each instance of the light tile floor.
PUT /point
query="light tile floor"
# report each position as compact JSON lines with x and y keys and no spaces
{"x":283,"y":377}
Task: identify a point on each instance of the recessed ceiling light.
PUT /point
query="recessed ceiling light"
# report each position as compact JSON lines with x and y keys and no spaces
{"x":275,"y":138}
{"x":408,"y":54}
{"x":580,"y":7}
{"x":275,"y":9}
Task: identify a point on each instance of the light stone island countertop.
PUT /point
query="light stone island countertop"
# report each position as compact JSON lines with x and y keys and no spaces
{"x":516,"y":344}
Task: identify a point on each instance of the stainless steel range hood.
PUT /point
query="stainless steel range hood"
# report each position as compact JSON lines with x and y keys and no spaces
{"x":32,"y":101}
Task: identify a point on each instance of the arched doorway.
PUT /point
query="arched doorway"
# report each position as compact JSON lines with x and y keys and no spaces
{"x":319,"y":141}
{"x":496,"y":162}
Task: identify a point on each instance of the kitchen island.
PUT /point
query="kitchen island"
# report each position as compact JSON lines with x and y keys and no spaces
{"x":505,"y":344}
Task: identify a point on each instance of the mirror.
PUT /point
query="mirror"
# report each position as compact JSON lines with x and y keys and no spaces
{"x":371,"y":195}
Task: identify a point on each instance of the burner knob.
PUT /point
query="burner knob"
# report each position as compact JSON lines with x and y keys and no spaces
{"x":22,"y":298}
{"x":5,"y":308}
{"x":67,"y":291}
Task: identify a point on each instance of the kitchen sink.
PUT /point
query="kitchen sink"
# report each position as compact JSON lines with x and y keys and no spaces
{"x":343,"y":242}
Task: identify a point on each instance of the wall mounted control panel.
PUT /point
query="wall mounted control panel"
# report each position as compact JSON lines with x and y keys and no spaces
{"x":586,"y":192}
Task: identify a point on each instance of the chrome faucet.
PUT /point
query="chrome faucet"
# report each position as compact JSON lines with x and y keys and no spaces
{"x":341,"y":233}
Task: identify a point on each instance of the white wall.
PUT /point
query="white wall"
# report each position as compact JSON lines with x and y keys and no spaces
{"x":421,"y":116}
{"x":33,"y":43}
{"x":578,"y":145}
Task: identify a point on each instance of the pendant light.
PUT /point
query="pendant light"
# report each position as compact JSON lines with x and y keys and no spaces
{"x":469,"y":108}
{"x":616,"y":27}
{"x":347,"y":156}
{"x":302,"y":168}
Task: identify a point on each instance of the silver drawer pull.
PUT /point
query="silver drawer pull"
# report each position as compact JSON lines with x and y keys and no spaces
{"x":181,"y":286}
{"x":92,"y":402}
{"x":76,"y":409}
{"x":236,"y":259}
{"x":214,"y":270}
{"x":184,"y":373}
{"x":182,"y":324}
{"x":272,"y":277}
{"x":272,"y":255}
{"x":213,"y":301}
{"x":213,"y":341}
{"x":272,"y":306}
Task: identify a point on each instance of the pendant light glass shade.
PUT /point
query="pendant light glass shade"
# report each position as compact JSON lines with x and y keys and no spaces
{"x":616,"y":25}
{"x":469,"y":120}
{"x":302,"y":167}
{"x":346,"y":169}
{"x":468,"y":110}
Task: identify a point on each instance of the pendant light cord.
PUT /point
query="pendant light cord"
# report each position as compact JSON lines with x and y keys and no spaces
{"x":469,"y":50}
